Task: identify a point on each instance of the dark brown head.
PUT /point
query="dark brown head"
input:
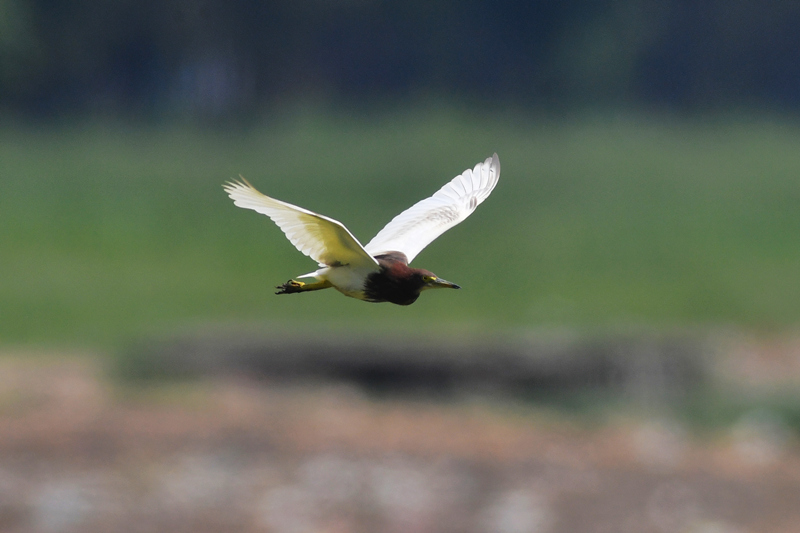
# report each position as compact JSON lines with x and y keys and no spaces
{"x":400,"y":284}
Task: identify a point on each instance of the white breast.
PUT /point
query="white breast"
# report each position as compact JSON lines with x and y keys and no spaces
{"x":346,"y":279}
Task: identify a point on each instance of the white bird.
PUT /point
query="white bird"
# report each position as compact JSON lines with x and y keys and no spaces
{"x":379,"y":271}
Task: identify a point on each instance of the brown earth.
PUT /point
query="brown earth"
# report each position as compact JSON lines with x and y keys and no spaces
{"x":80,"y":454}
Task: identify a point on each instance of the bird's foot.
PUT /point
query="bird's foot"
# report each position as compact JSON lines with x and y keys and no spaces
{"x":290,"y":286}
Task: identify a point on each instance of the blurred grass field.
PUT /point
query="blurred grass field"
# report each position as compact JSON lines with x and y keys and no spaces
{"x":111,"y":231}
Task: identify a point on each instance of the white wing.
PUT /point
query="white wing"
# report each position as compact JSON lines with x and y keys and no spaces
{"x":323,"y":239}
{"x":416,"y":227}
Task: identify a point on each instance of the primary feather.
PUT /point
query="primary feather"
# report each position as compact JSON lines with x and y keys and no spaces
{"x":323,"y":239}
{"x":419,"y":225}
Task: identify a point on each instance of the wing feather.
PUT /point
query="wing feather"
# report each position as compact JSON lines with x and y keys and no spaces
{"x":416,"y":227}
{"x":325,"y":240}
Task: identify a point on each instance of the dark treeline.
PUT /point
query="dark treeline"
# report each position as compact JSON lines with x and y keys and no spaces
{"x":226,"y":57}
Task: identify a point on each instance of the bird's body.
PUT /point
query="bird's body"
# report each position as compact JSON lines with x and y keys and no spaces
{"x":379,"y":271}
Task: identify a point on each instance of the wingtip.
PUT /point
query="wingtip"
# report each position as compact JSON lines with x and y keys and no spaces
{"x":244,"y":181}
{"x":496,"y":162}
{"x":234,"y":186}
{"x":233,"y":182}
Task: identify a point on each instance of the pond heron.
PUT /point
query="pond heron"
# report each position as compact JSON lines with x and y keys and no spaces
{"x":379,"y":271}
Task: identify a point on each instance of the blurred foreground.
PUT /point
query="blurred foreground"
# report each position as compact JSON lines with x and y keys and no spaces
{"x":81,"y":453}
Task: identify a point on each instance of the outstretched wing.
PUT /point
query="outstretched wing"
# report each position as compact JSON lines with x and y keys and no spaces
{"x":416,"y":227}
{"x":323,"y":239}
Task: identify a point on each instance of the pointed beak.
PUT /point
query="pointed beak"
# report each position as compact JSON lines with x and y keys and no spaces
{"x":439,"y":283}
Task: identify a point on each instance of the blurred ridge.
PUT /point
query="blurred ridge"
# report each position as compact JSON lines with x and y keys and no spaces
{"x":657,"y":367}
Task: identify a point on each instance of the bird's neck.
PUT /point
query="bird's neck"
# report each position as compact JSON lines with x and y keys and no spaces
{"x":395,"y":282}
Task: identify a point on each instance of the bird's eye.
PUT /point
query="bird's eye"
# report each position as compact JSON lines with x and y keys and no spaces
{"x":428,"y":279}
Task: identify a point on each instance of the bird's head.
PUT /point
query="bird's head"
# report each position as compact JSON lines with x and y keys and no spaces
{"x":429,"y":280}
{"x":398,"y":283}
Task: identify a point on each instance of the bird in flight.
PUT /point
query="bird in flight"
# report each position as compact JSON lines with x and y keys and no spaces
{"x":379,"y":271}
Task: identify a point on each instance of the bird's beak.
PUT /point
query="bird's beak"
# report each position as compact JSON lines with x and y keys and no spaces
{"x":439,"y":283}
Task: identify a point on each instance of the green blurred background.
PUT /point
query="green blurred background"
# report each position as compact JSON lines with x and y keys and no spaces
{"x":650,"y":160}
{"x":113,"y":230}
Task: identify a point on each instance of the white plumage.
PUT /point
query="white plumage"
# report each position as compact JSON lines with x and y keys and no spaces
{"x":419,"y":225}
{"x":323,"y":239}
{"x":345,"y":262}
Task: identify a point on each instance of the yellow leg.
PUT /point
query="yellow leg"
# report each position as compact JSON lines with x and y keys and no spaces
{"x":293,"y":286}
